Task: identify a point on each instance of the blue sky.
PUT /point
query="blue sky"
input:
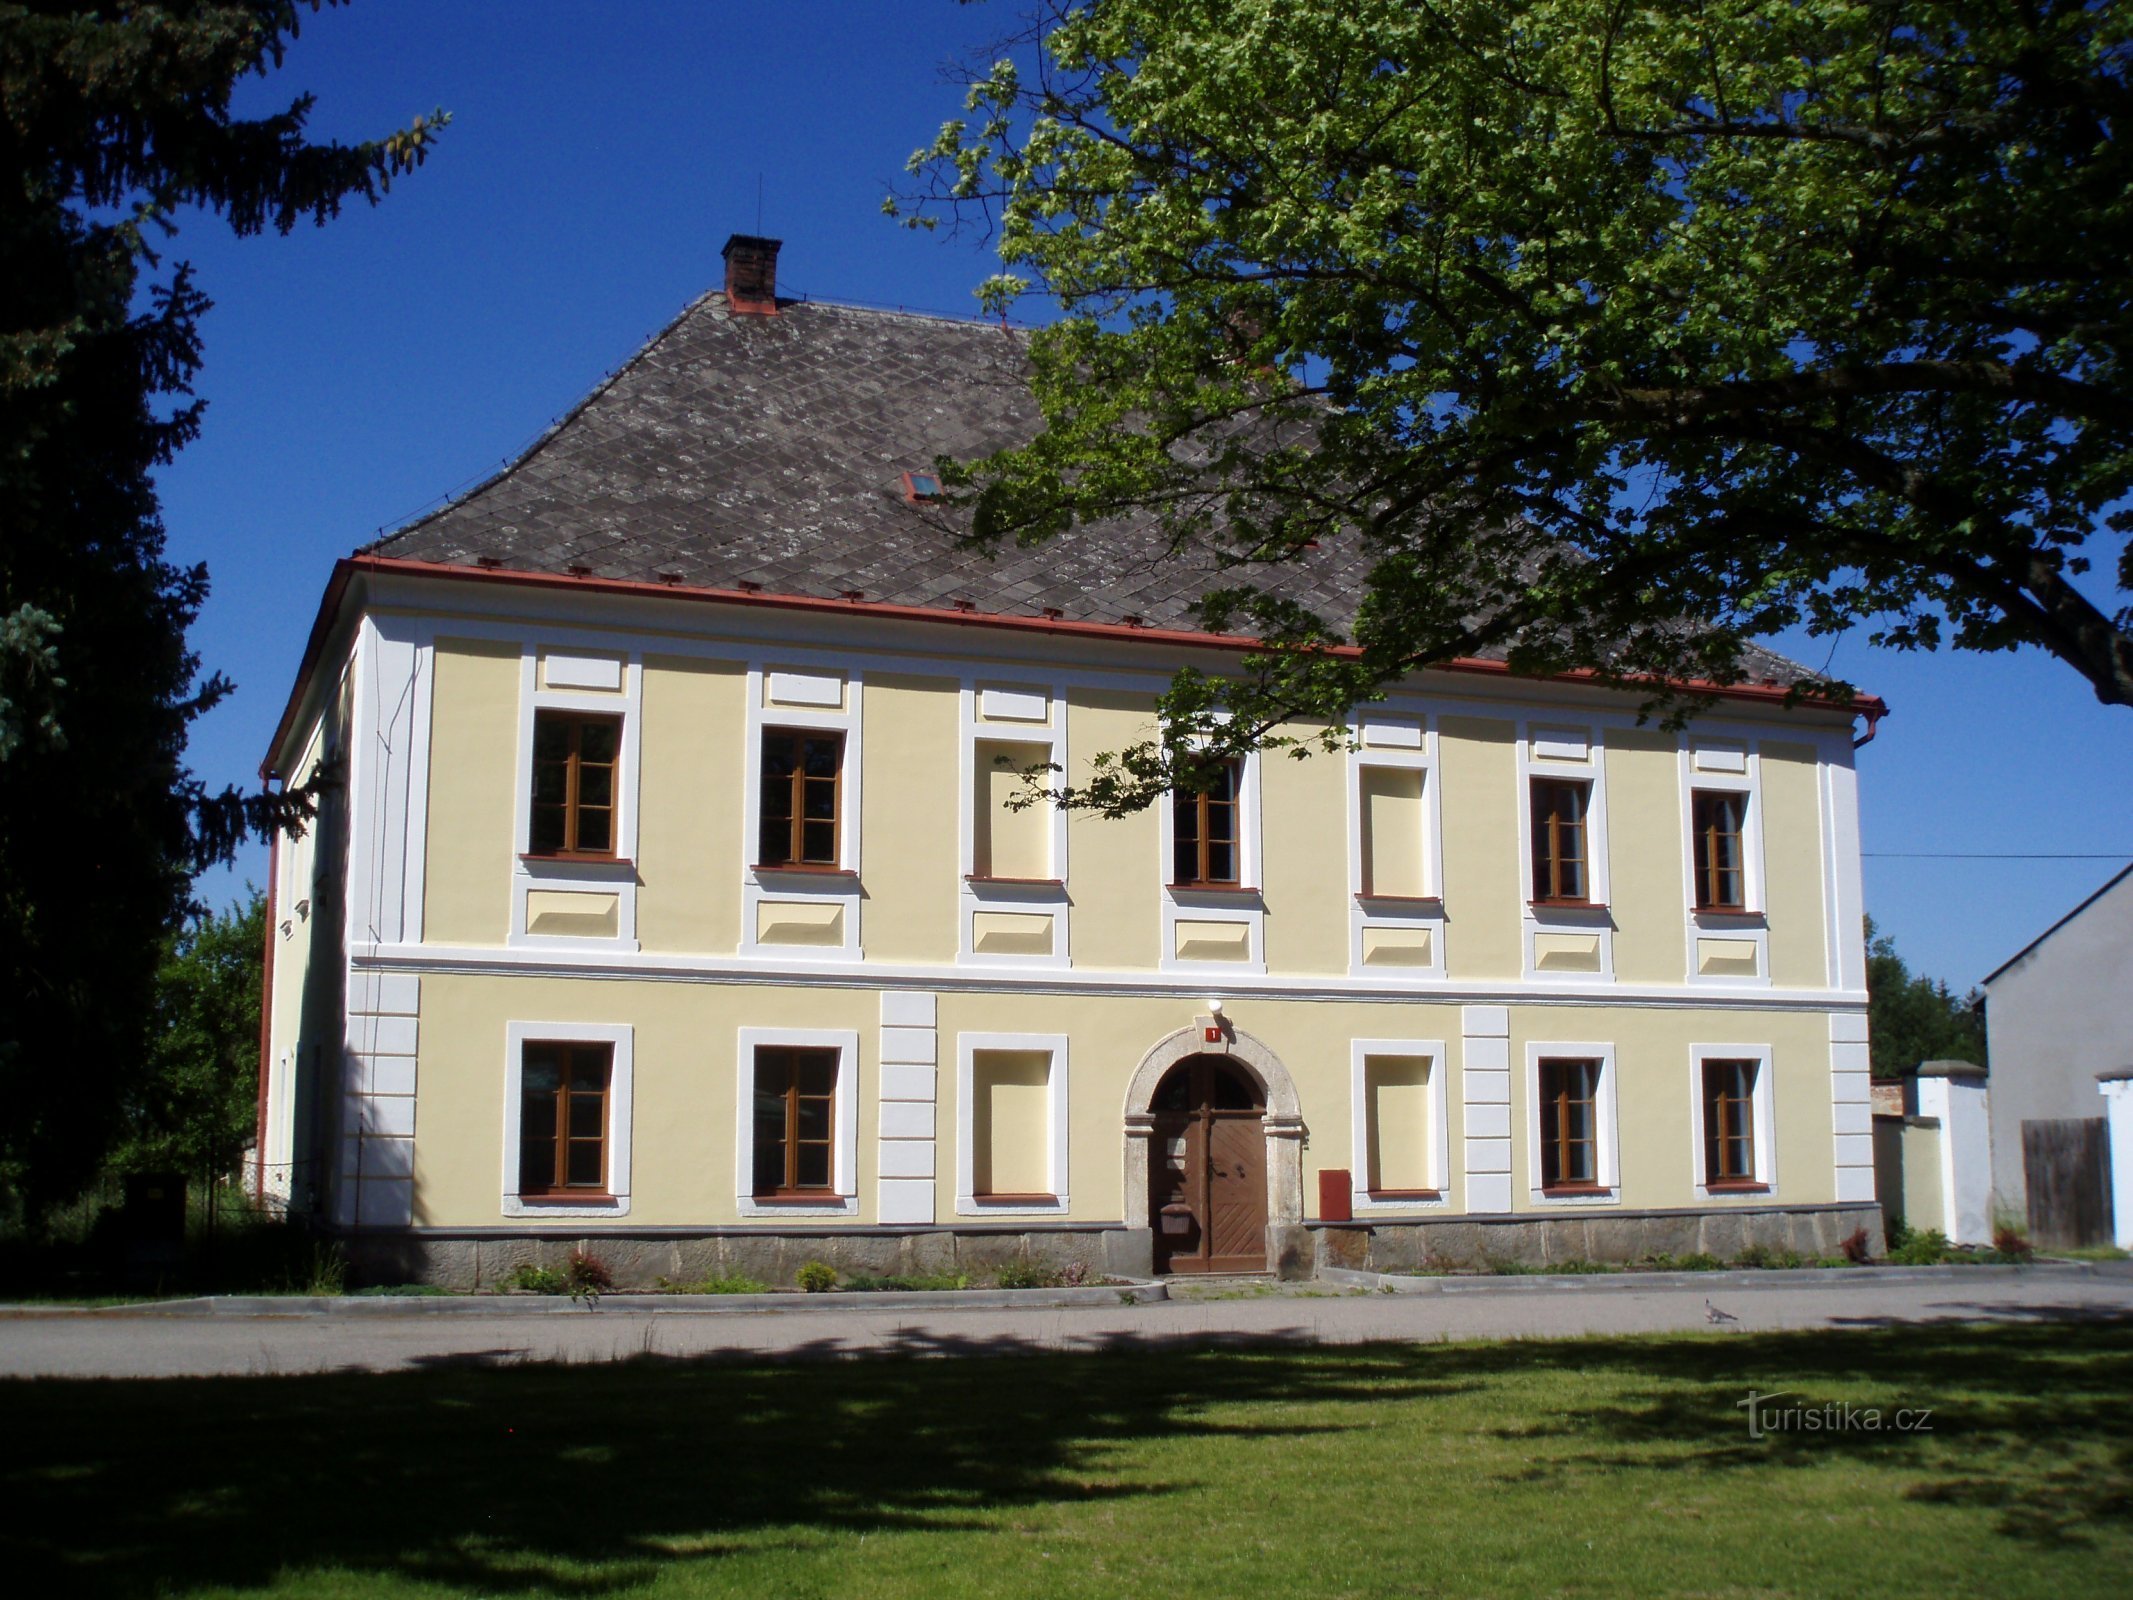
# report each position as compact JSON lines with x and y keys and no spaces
{"x":598,"y":157}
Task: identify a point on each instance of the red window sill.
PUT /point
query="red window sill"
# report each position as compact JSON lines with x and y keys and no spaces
{"x":1732,"y":913}
{"x":800,"y":1197}
{"x":1405,"y":1194}
{"x":1568,"y":905}
{"x":1566,"y":1190}
{"x":1423,"y":900}
{"x":1736,"y":1186}
{"x":1031,"y":883}
{"x":576,"y":856}
{"x":1210,"y":888}
{"x":816,"y":869}
{"x":1016,"y":1199}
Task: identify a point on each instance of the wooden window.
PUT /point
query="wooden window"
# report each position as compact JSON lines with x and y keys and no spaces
{"x":802,"y":794}
{"x":1205,"y":829}
{"x":562,"y":1140}
{"x":795,"y":1122}
{"x":1561,"y":873}
{"x":1569,"y":1124}
{"x":1717,"y":820}
{"x":574,"y":767}
{"x":1729,"y":1122}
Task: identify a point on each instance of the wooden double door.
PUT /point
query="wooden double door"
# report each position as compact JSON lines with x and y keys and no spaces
{"x":1207,"y":1171}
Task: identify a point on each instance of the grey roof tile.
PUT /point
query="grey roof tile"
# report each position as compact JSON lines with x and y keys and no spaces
{"x":770,"y":449}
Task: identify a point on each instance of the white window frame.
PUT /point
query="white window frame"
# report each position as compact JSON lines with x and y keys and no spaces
{"x":1607,"y":1151}
{"x":842,"y":888}
{"x":996,"y":894}
{"x":1761,"y":1118}
{"x":1360,"y":1052}
{"x":968,"y":1203}
{"x":1551,"y":750}
{"x":1244,"y":904}
{"x":532,"y":873}
{"x":1731,"y":764}
{"x":1381,"y":738}
{"x":845,"y":1176}
{"x":621,"y":1094}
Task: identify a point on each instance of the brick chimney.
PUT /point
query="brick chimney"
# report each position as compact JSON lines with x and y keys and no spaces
{"x":751,"y":275}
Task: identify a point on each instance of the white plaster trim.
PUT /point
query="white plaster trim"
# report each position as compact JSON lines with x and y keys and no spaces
{"x":618,"y":877}
{"x":1420,"y":757}
{"x":1533,"y":737}
{"x":967,"y":1045}
{"x":1751,"y":925}
{"x":845,"y":1041}
{"x":1039,"y":718}
{"x":779,"y":966}
{"x":1761,"y":1121}
{"x":621,"y":1090}
{"x":1606,"y":1140}
{"x":1440,"y":1135}
{"x":1216,"y":905}
{"x":757,"y":887}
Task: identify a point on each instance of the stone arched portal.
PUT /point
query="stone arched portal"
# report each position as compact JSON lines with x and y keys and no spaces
{"x":1287,"y":1249}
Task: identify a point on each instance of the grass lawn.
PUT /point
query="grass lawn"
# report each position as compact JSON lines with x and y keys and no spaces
{"x":1618,"y":1467}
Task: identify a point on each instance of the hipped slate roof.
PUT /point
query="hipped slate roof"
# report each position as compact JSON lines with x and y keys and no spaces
{"x":747,"y":450}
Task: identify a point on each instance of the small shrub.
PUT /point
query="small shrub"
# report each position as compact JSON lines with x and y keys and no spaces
{"x":1074,"y":1274}
{"x":1856,"y":1248}
{"x":402,"y":1291}
{"x":1695,"y":1261}
{"x":530,"y":1279}
{"x":1922,"y":1249}
{"x":327,"y":1271}
{"x":816,"y":1277}
{"x":909,"y":1283}
{"x":2007,"y":1242}
{"x":1028,"y":1275}
{"x":1762,"y":1258}
{"x":586,"y":1276}
{"x":717,"y":1283}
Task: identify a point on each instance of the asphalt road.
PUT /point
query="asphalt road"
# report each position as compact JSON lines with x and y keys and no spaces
{"x":128,"y":1344}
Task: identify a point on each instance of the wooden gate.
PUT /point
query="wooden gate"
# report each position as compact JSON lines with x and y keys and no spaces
{"x":2066,"y":1166}
{"x":1207,"y":1181}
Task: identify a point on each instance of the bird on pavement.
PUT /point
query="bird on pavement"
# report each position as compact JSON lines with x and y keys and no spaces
{"x":1711,"y":1313}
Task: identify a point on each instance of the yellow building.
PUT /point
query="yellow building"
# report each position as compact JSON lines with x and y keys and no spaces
{"x":670,"y":895}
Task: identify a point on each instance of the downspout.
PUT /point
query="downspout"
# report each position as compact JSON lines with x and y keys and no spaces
{"x":1873,"y":717}
{"x":266,"y":1019}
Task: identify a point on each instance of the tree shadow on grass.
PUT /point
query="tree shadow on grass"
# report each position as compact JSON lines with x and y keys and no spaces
{"x":495,"y":1476}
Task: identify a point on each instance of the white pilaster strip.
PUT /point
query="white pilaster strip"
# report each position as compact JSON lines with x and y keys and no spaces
{"x":378,"y":1122}
{"x":1851,"y":1111}
{"x":910,"y":1071}
{"x":1485,"y":1091}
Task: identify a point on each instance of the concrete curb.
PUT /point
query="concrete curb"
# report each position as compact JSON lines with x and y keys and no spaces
{"x":1743,"y":1278}
{"x":1129,"y":1292}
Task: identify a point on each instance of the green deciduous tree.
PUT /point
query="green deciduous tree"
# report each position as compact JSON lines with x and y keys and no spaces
{"x":114,"y":124}
{"x":1581,"y":318}
{"x":196,"y":1106}
{"x":1913,"y":1018}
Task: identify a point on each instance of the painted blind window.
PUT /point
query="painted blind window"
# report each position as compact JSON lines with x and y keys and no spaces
{"x":1721,"y":880}
{"x":1569,"y":1131}
{"x":1729,"y":1121}
{"x":1204,"y":830}
{"x":801,"y":795}
{"x":1560,"y":868}
{"x":563,"y":1090}
{"x":795,"y":1122}
{"x":574,"y":761}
